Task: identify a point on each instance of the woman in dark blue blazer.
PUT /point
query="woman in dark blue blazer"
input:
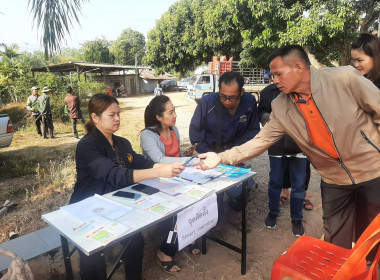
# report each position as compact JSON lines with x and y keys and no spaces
{"x":104,"y":163}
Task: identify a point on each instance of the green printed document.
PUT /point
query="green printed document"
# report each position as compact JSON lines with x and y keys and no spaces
{"x":100,"y":229}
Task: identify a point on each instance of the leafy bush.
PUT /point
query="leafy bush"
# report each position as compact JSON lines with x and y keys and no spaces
{"x":88,"y":89}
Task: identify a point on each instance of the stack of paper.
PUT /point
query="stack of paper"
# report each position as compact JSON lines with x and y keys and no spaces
{"x":97,"y":215}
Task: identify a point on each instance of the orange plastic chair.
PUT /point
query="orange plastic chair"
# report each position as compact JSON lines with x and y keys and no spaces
{"x":310,"y":258}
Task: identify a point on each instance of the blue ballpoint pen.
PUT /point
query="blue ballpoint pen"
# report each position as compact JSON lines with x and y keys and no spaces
{"x":190,"y":159}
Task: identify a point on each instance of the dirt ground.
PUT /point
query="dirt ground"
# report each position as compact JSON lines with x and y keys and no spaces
{"x":264,"y":245}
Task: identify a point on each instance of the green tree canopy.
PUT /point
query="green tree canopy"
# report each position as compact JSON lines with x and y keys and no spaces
{"x":97,"y":51}
{"x":129,"y":44}
{"x":191,"y":32}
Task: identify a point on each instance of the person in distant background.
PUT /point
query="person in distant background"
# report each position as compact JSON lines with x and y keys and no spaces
{"x":120,"y":90}
{"x":109,"y":91}
{"x":158,"y":90}
{"x":72,"y":109}
{"x":365,"y":57}
{"x":32,"y":107}
{"x":45,"y":113}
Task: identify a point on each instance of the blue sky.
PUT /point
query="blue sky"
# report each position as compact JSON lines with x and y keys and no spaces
{"x":100,"y":18}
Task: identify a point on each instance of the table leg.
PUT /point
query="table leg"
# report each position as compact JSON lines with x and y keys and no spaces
{"x":204,"y":248}
{"x":119,"y":260}
{"x":244,"y":229}
{"x":66,"y":258}
{"x":243,"y":250}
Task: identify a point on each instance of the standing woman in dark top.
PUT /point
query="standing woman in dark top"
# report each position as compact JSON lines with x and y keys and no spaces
{"x":365,"y":56}
{"x":106,"y":162}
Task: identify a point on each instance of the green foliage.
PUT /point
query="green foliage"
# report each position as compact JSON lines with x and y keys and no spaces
{"x":192,"y":31}
{"x":69,"y":54}
{"x":97,"y":51}
{"x":88,"y":89}
{"x":129,"y":44}
{"x":15,"y":75}
{"x":178,"y":40}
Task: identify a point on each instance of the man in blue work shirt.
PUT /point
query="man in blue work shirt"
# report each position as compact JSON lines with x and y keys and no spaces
{"x":223,"y":120}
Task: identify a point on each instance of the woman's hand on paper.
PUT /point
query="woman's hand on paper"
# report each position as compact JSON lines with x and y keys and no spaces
{"x":208,"y":161}
{"x":171,"y":170}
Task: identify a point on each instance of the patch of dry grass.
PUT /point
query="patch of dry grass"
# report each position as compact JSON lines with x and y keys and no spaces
{"x":45,"y":191}
{"x":36,"y":173}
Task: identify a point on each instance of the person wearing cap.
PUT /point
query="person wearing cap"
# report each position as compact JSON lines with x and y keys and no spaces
{"x":72,"y":109}
{"x":45,"y":113}
{"x":31,"y":106}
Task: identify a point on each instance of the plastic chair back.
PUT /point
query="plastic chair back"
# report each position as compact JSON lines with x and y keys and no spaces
{"x":311,"y":258}
{"x":358,"y":257}
{"x":373,"y":227}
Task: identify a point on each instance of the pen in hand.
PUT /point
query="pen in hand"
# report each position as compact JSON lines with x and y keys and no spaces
{"x":190,"y":159}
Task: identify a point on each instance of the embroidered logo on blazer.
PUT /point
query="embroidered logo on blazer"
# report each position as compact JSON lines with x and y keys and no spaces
{"x":243,"y":118}
{"x":130,"y":158}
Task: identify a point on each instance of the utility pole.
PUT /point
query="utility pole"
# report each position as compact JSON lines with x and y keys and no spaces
{"x":378,"y":26}
{"x":137,"y":88}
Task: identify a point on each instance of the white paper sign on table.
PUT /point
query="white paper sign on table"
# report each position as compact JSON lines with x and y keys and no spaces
{"x":196,"y":220}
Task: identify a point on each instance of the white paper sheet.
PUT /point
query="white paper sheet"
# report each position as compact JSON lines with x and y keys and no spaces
{"x":96,"y":206}
{"x":195,"y":192}
{"x":198,"y":176}
{"x":196,"y":220}
{"x":164,"y":185}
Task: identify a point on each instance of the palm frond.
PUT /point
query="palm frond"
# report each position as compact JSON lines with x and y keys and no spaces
{"x":53,"y":19}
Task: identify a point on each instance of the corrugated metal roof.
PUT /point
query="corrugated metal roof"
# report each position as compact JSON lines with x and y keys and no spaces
{"x":148,"y":74}
{"x":73,"y":66}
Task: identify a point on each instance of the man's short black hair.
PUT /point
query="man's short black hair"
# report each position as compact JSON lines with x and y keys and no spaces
{"x":229,"y":77}
{"x":287,"y":50}
{"x":69,"y":90}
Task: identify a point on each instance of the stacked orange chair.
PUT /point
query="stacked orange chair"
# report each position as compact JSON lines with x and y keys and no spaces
{"x":310,"y":258}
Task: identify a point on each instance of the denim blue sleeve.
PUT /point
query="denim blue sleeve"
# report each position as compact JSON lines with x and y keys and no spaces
{"x":197,"y":128}
{"x":252,"y":126}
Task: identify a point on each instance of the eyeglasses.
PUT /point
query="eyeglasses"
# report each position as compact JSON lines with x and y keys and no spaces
{"x":229,"y":98}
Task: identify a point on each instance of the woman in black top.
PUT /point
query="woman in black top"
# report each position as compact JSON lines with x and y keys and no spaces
{"x":106,"y":162}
